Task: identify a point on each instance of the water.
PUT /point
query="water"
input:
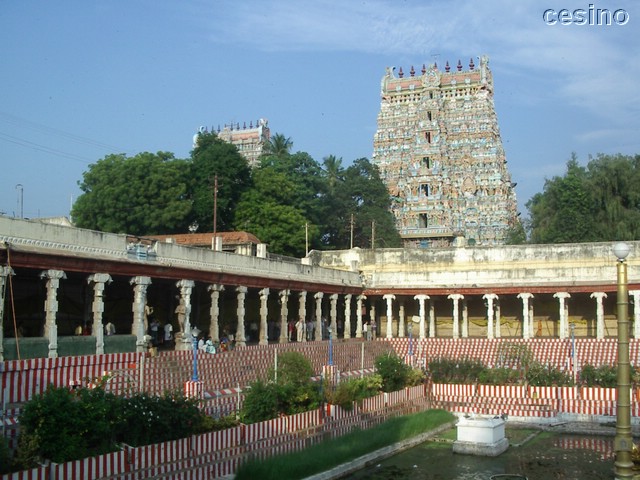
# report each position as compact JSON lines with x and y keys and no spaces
{"x":541,"y":456}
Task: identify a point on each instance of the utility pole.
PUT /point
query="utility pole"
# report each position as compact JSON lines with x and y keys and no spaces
{"x":373,"y":234}
{"x":215,"y":210}
{"x":351,"y":242}
{"x":306,"y":238}
{"x":20,"y":199}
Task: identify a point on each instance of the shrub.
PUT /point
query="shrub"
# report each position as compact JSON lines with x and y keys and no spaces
{"x":92,"y":422}
{"x":393,"y":370}
{"x":292,"y":392}
{"x":602,"y":376}
{"x":451,"y":370}
{"x":545,"y":375}
{"x":353,"y":390}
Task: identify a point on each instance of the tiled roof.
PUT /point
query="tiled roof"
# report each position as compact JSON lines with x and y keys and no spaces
{"x":205,"y":239}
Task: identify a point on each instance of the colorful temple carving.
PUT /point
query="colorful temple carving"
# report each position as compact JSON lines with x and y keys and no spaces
{"x":251,"y":140}
{"x":439,"y":152}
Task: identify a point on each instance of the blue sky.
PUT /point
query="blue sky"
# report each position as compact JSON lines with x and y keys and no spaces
{"x":82,"y":79}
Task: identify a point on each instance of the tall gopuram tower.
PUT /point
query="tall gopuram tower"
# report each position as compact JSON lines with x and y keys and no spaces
{"x":439,"y":152}
{"x":251,"y":140}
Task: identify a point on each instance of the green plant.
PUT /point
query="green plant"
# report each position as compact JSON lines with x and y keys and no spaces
{"x":393,"y":370}
{"x":455,"y":370}
{"x":602,"y":376}
{"x":353,"y":390}
{"x":260,"y":402}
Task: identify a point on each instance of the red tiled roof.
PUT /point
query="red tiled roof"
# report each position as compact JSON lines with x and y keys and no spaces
{"x":205,"y":239}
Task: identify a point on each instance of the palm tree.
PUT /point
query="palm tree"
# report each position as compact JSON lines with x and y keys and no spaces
{"x":280,"y":145}
{"x":333,"y":170}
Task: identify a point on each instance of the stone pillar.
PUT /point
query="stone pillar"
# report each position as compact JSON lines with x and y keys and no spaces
{"x":432,"y":319}
{"x":140,"y":285}
{"x":347,"y":316}
{"x":51,"y":309}
{"x":184,"y":340}
{"x":302,"y":313}
{"x":333,"y":312}
{"x":4,"y":273}
{"x":498,"y":326}
{"x":490,"y":297}
{"x":636,"y":312}
{"x":264,"y":314}
{"x":373,"y":320}
{"x":97,"y":307}
{"x":359,"y":306}
{"x":401,"y":320}
{"x":465,"y":318}
{"x":389,"y":298}
{"x":564,"y":313}
{"x":318,"y":333}
{"x":284,"y":313}
{"x":456,"y":297}
{"x":214,"y":312}
{"x":240,"y":337}
{"x":421,"y":299}
{"x":527,"y":330}
{"x":599,"y":313}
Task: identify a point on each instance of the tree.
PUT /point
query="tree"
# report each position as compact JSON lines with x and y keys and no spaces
{"x":269,"y":210}
{"x":279,"y":145}
{"x":598,"y":203}
{"x":142,"y":195}
{"x":364,"y":197}
{"x":213,"y":158}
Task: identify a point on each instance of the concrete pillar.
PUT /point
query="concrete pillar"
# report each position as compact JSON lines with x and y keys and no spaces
{"x":465,"y":318}
{"x":264,"y":314}
{"x":389,"y":298}
{"x":373,"y":321}
{"x":97,"y":308}
{"x":347,"y":316}
{"x":490,"y":298}
{"x":4,"y":273}
{"x":333,"y":312}
{"x":421,"y":299}
{"x":184,"y":340}
{"x":318,"y":333}
{"x":401,"y":320}
{"x":140,"y":285}
{"x":527,"y":330}
{"x":214,"y":311}
{"x":359,"y":305}
{"x":284,"y":314}
{"x":241,"y":340}
{"x":456,"y":297}
{"x":302,"y":313}
{"x":636,"y":312}
{"x":599,"y":313}
{"x":563,"y":310}
{"x":432,"y":319}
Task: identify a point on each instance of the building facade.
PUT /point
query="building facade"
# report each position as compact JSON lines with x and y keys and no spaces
{"x":251,"y":140}
{"x":439,"y":152}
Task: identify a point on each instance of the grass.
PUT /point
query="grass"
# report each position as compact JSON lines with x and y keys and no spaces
{"x":331,"y":453}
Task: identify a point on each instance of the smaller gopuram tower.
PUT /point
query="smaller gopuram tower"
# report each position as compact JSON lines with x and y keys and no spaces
{"x":439,"y":152}
{"x":251,"y":140}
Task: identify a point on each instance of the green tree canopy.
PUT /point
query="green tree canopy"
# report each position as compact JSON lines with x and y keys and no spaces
{"x":142,"y":195}
{"x":362,"y":196}
{"x":213,"y":158}
{"x":596,"y":203}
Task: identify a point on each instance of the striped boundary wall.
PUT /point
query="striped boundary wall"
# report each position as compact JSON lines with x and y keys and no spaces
{"x":22,"y":379}
{"x":218,"y":454}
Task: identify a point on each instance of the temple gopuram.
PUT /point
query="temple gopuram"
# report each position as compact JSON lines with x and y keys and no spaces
{"x":251,"y":140}
{"x":439,"y":152}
